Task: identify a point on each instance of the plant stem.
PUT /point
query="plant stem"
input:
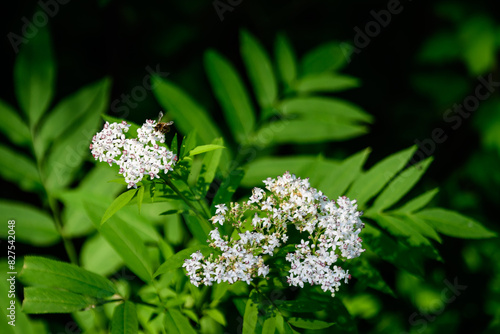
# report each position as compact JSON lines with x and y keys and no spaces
{"x":184,"y":198}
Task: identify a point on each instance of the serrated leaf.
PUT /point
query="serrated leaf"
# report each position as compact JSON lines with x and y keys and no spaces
{"x":259,"y":69}
{"x":68,"y":153}
{"x":232,"y":95}
{"x":309,"y":323}
{"x":418,"y":202}
{"x":217,"y":316}
{"x":12,"y":125}
{"x":99,"y":257}
{"x":19,"y":169}
{"x":47,"y":300}
{"x":33,"y":226}
{"x":285,"y":60}
{"x":177,"y":260}
{"x":371,"y":182}
{"x":206,"y":148}
{"x":400,"y":186}
{"x":308,"y":130}
{"x":454,"y":224}
{"x":118,"y":203}
{"x":326,"y":82}
{"x":125,"y":241}
{"x":326,"y":57}
{"x":325,"y":107}
{"x":34,"y":74}
{"x":188,"y":115}
{"x":335,"y":183}
{"x":67,"y":113}
{"x":124,"y":319}
{"x":41,"y":271}
{"x":177,"y":323}
{"x":393,"y":251}
{"x":251,"y":314}
{"x":405,"y":231}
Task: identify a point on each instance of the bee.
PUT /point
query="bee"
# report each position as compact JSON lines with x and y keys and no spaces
{"x":162,"y":126}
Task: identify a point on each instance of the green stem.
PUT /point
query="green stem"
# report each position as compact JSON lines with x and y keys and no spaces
{"x":68,"y":245}
{"x":184,"y":198}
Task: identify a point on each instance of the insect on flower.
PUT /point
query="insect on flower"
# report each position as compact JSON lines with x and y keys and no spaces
{"x":162,"y":126}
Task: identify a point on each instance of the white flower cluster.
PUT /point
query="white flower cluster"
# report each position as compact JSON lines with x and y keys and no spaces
{"x":136,"y":157}
{"x":332,"y":229}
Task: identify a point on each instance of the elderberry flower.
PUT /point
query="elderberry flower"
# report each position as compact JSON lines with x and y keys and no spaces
{"x":329,"y":232}
{"x":136,"y":157}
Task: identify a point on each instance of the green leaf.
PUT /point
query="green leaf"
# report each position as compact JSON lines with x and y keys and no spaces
{"x":118,"y":203}
{"x":309,"y":323}
{"x":125,"y":319}
{"x":477,"y":37}
{"x":422,"y":227}
{"x":140,"y":197}
{"x":99,"y":257}
{"x":48,"y":300}
{"x":68,"y":153}
{"x":209,"y":167}
{"x":259,"y":69}
{"x":262,"y":168}
{"x":19,"y":169}
{"x":326,"y":57}
{"x":34,"y":74}
{"x":177,"y":323}
{"x":370,"y":183}
{"x":198,"y":227}
{"x":442,"y":47}
{"x":335,"y":183}
{"x":41,"y":271}
{"x":368,"y":275}
{"x":308,"y":130}
{"x":454,"y":224}
{"x":400,"y":186}
{"x":385,"y":247}
{"x":269,"y":325}
{"x":33,"y":226}
{"x":206,"y":148}
{"x":125,"y":241}
{"x":177,"y":260}
{"x":13,"y":126}
{"x":232,"y":95}
{"x":67,"y":114}
{"x":418,"y":202}
{"x":325,"y":107}
{"x":188,"y":115}
{"x":285,"y":60}
{"x":326,"y":82}
{"x":188,"y":143}
{"x":227,"y":188}
{"x":217,"y":316}
{"x":405,"y":231}
{"x":251,"y":313}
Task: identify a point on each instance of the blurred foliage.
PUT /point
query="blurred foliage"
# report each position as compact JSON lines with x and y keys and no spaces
{"x":296,"y":100}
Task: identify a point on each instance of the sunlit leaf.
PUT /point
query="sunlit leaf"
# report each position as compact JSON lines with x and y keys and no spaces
{"x":259,"y":69}
{"x":285,"y":60}
{"x":13,"y":126}
{"x":326,"y":57}
{"x":40,"y":271}
{"x":326,"y":82}
{"x":48,"y":300}
{"x":232,"y":95}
